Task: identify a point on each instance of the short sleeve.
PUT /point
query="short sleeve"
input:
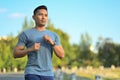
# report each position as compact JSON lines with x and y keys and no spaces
{"x":22,"y":39}
{"x":57,"y":40}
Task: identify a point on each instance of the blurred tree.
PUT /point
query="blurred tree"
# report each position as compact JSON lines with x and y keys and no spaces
{"x":6,"y":54}
{"x":108,"y":53}
{"x":86,"y":55}
{"x":75,"y":58}
{"x":27,"y":24}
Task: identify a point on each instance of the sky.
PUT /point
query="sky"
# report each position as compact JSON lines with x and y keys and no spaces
{"x":75,"y":17}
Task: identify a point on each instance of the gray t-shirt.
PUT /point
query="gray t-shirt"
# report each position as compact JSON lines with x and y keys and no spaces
{"x":39,"y":62}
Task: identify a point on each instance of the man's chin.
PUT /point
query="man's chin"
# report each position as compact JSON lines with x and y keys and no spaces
{"x":41,"y":25}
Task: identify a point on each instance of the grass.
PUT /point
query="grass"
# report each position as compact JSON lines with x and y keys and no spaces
{"x":105,"y":73}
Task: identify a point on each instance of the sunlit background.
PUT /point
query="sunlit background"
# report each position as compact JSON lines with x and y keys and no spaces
{"x":89,"y":32}
{"x":75,"y":17}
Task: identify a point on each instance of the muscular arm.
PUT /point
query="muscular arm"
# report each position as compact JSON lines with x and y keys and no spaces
{"x":59,"y":51}
{"x":20,"y":51}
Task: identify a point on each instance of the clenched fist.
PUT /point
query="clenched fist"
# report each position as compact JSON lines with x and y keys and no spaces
{"x":48,"y":39}
{"x":35,"y":47}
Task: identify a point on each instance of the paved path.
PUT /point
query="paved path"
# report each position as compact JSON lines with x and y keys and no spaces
{"x":12,"y":76}
{"x":20,"y":76}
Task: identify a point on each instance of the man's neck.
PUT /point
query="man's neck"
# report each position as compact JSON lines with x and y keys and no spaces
{"x":40,"y":28}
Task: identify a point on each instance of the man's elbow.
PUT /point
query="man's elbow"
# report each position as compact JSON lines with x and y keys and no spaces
{"x":14,"y":55}
{"x":62,"y":56}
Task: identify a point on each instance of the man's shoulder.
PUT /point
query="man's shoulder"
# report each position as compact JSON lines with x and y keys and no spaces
{"x":28,"y":31}
{"x":51,"y":32}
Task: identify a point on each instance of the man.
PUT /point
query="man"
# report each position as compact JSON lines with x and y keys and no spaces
{"x":38,"y":44}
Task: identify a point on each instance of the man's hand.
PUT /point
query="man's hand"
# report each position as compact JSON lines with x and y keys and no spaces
{"x":48,"y":39}
{"x":35,"y":47}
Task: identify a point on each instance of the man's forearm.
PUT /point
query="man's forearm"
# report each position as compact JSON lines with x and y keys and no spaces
{"x":20,"y":53}
{"x":59,"y":51}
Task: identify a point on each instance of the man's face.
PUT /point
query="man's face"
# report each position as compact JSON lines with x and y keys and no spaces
{"x":41,"y":17}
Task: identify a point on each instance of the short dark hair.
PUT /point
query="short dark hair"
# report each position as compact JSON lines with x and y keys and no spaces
{"x":39,"y":7}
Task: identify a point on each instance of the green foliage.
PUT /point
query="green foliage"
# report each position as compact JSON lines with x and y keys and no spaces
{"x":6,"y":54}
{"x":75,"y":54}
{"x":27,"y":25}
{"x":109,"y":53}
{"x":86,"y":55}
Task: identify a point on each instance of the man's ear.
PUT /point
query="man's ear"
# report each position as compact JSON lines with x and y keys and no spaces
{"x":33,"y":17}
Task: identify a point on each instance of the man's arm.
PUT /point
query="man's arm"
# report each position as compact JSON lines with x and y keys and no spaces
{"x":20,"y":51}
{"x":59,"y":51}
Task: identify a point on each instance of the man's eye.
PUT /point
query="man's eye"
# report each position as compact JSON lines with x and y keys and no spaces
{"x":46,"y":15}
